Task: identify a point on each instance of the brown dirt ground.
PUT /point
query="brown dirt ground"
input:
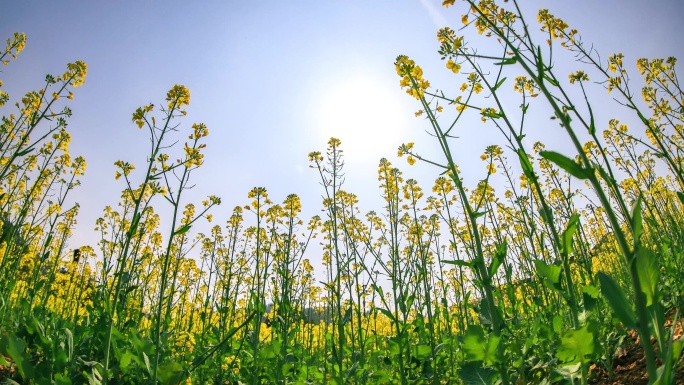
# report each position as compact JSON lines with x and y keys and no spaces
{"x":629,"y":366}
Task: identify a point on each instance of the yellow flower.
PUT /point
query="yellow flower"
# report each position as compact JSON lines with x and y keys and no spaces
{"x":454,"y":67}
{"x":578,"y":76}
{"x":477,"y":88}
{"x":178,"y":97}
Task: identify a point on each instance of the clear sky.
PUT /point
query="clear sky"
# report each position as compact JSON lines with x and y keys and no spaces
{"x":273,"y":80}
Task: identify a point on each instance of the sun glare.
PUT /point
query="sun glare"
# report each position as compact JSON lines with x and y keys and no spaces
{"x":366,"y":115}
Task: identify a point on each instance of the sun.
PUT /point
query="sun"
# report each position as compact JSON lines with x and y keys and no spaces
{"x":365,"y":114}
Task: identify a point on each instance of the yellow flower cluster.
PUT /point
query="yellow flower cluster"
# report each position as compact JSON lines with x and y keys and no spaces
{"x":662,"y":89}
{"x":491,"y":15}
{"x":657,"y":69}
{"x":578,"y":76}
{"x":139,"y":115}
{"x":315,"y":156}
{"x":75,"y":73}
{"x":553,"y":25}
{"x":199,"y":130}
{"x":454,"y":67}
{"x":32,"y":103}
{"x":615,"y":63}
{"x":411,"y":77}
{"x":193,"y":156}
{"x":615,"y":66}
{"x":16,"y":44}
{"x":125,"y":169}
{"x":178,"y":96}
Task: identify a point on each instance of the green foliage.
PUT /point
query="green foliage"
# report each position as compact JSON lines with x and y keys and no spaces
{"x":468,"y":285}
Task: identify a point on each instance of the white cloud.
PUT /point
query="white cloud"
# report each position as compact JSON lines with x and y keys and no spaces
{"x":435,"y":14}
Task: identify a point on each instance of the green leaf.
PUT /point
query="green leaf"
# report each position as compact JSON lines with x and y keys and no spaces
{"x":680,"y":195}
{"x":550,"y":80}
{"x":170,"y":373}
{"x":286,"y":369}
{"x":134,"y":225}
{"x":617,"y":299}
{"x":550,"y":274}
{"x":70,"y":343}
{"x":387,"y":313}
{"x":507,"y":61}
{"x":61,"y":379}
{"x":570,"y":229}
{"x":567,"y":164}
{"x":125,"y":360}
{"x":94,"y":377}
{"x":570,"y":372}
{"x":15,"y":349}
{"x":590,"y":294}
{"x":474,"y":343}
{"x":267,"y":352}
{"x":592,"y":126}
{"x":557,"y":323}
{"x":457,"y":262}
{"x":526,"y":165}
{"x":380,"y":376}
{"x":648,"y":270}
{"x":499,"y":256}
{"x":147,"y":363}
{"x":577,"y":345}
{"x":492,"y":115}
{"x":606,"y":177}
{"x":664,"y":372}
{"x":637,"y":221}
{"x":183,"y":230}
{"x":24,"y":152}
{"x":473,"y":373}
{"x":643,"y":119}
{"x":3,"y":361}
{"x":491,"y":356}
{"x":546,"y":215}
{"x":480,"y":348}
{"x":478,"y":214}
{"x":422,"y":352}
{"x":539,"y":61}
{"x":394,"y":346}
{"x":498,"y":84}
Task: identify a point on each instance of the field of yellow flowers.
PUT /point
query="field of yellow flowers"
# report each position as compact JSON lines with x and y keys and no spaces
{"x":541,"y":274}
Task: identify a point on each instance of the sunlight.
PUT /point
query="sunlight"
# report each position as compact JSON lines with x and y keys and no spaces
{"x":366,"y":115}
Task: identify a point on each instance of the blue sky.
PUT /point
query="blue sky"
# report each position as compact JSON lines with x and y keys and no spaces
{"x":273,"y":81}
